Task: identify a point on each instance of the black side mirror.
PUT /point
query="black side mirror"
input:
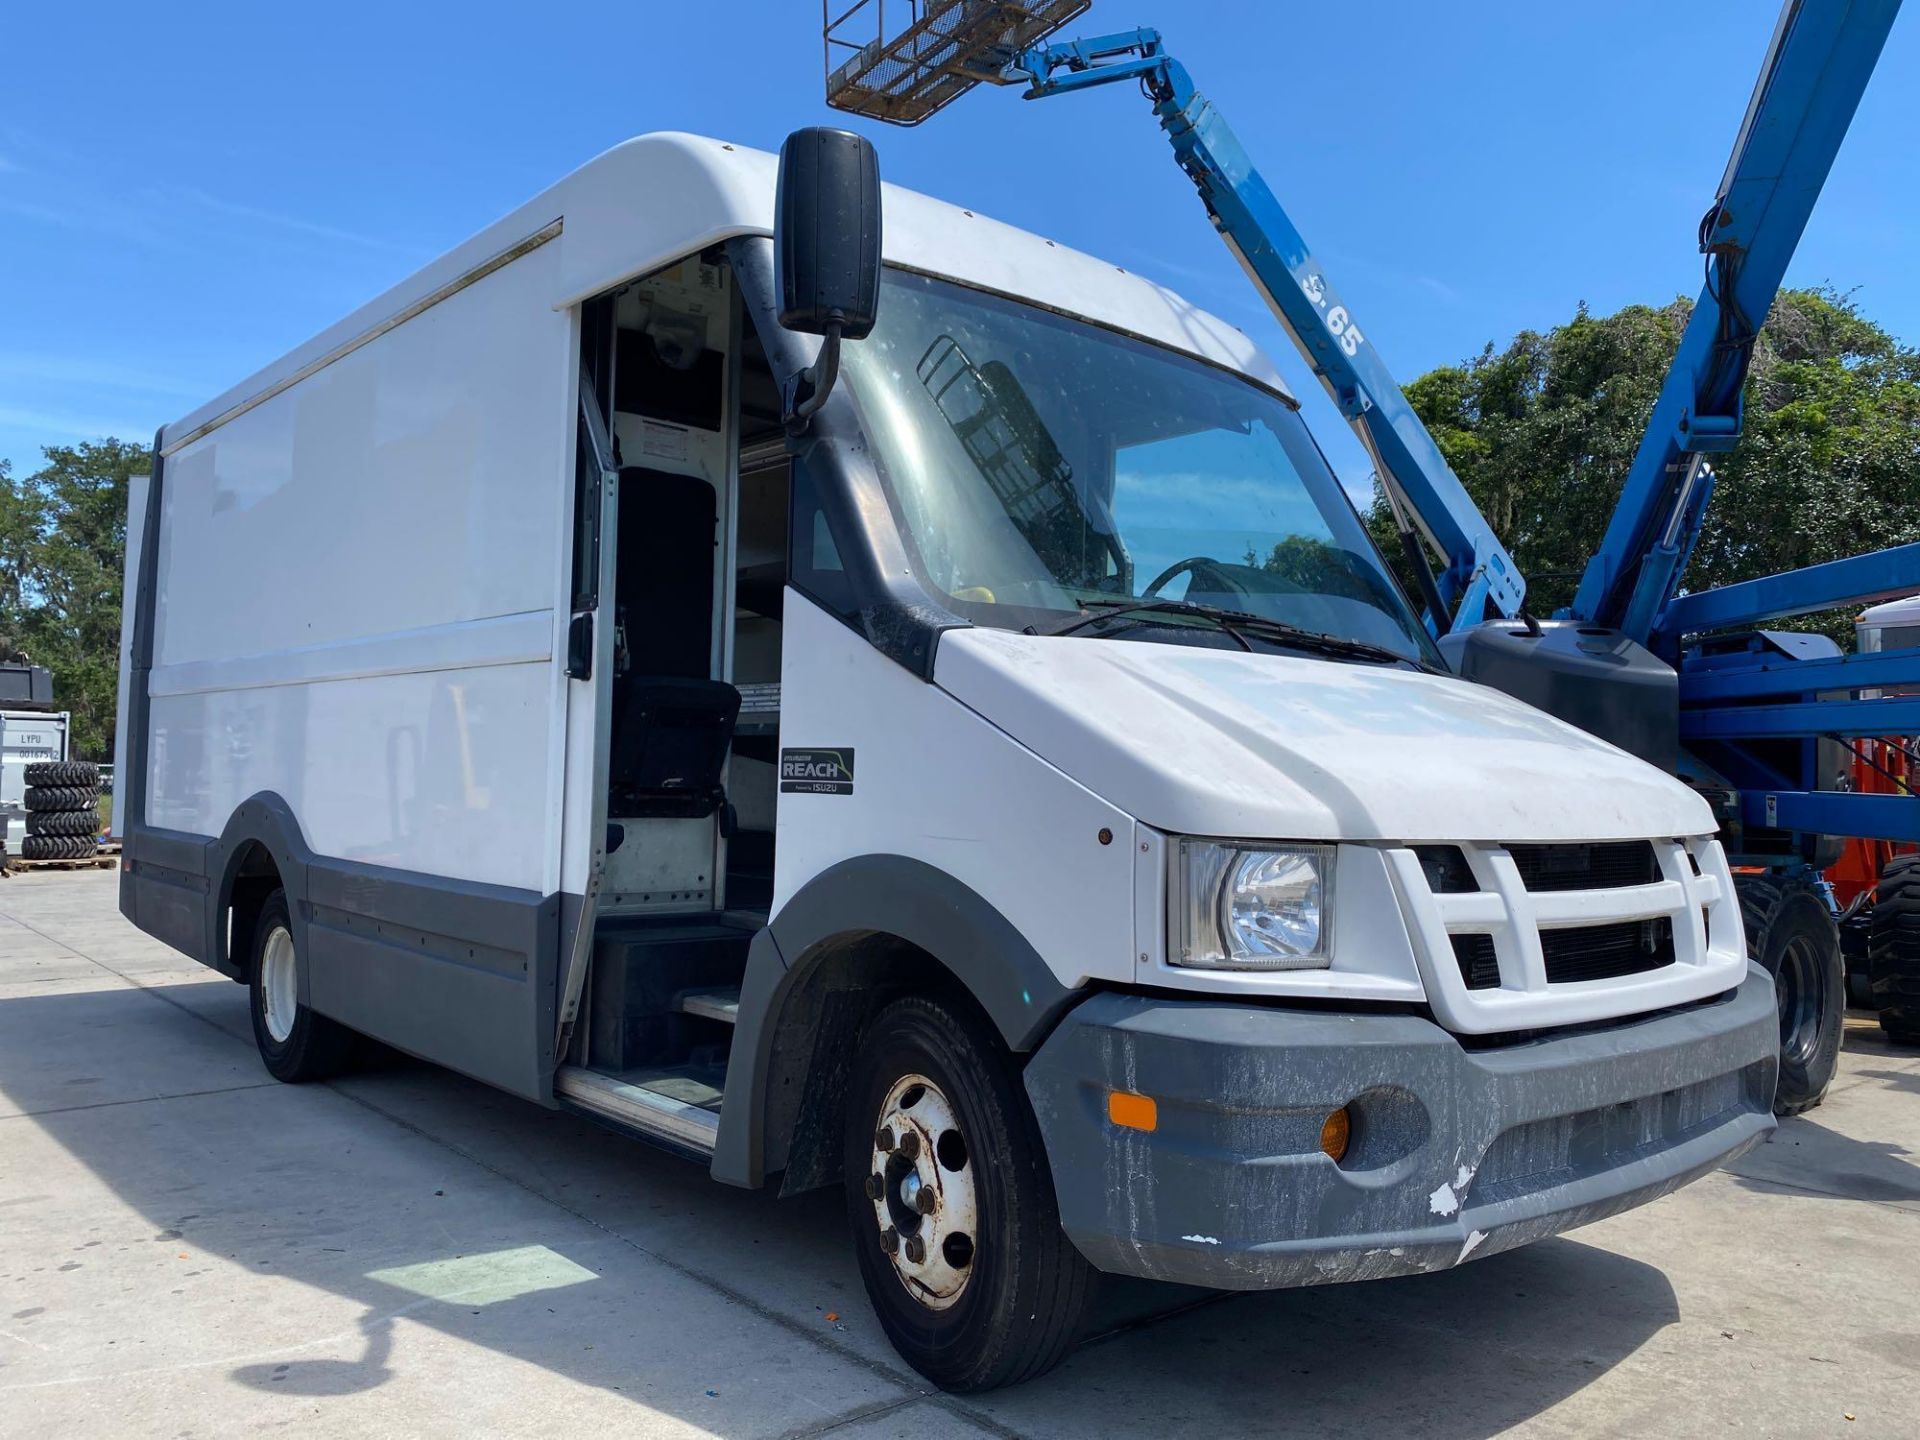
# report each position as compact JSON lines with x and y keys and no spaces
{"x":826,"y":242}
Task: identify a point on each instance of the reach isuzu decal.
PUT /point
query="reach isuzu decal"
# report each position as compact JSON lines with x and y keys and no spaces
{"x":816,"y":772}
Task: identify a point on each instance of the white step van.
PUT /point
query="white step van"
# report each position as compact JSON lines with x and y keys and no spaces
{"x":1006,"y":781}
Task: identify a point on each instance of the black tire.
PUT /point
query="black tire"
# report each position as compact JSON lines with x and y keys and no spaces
{"x":1792,"y":935}
{"x":81,"y":774}
{"x":314,"y":1047}
{"x":63,"y":822}
{"x":61,"y":797}
{"x":1027,"y":1290}
{"x":1893,"y":950}
{"x":58,"y":847}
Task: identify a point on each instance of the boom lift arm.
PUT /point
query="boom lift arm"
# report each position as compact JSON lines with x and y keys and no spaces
{"x":1816,"y":68}
{"x":1427,"y":498}
{"x":1761,"y":717}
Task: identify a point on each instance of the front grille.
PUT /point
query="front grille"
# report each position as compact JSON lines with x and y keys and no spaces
{"x":1446,"y":869}
{"x":1478,"y":965}
{"x":1632,"y":927}
{"x":1610,"y":865}
{"x":1604,"y":952}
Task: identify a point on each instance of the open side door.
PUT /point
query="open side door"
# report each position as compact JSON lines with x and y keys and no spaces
{"x":590,"y":660}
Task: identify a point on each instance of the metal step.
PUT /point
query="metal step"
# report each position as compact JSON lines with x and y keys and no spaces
{"x":723,"y":1005}
{"x":680,"y":1103}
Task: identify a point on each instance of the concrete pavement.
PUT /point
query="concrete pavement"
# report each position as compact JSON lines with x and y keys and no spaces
{"x":188,"y":1248}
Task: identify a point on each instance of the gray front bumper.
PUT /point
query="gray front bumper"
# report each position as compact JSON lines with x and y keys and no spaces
{"x":1456,"y":1153}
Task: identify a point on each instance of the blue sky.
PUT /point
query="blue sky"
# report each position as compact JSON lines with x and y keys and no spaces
{"x":188,"y":191}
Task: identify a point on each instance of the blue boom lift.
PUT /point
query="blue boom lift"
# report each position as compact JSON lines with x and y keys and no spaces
{"x":1761,"y":722}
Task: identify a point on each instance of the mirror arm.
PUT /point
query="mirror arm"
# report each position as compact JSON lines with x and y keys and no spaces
{"x":807,"y":391}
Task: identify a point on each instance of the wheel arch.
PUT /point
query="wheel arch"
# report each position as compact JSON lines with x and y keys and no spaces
{"x":858,"y":934}
{"x":260,"y":849}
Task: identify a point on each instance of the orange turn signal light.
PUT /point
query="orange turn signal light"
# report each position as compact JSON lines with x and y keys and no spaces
{"x":1335,"y":1132}
{"x":1134,"y":1112}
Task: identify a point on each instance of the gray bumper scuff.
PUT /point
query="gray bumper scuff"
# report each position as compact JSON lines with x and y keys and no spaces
{"x":1456,"y":1153}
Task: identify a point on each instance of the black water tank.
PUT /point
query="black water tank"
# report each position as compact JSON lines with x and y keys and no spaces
{"x":1587,"y":675}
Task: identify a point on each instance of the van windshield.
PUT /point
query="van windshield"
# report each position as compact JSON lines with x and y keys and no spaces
{"x":1043,"y":466}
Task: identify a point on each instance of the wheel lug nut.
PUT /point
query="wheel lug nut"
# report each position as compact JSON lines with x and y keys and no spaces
{"x":923,"y":1201}
{"x":890,"y":1240}
{"x":883,"y":1141}
{"x":916,"y":1249}
{"x":910,"y":1144}
{"x":874,"y":1187}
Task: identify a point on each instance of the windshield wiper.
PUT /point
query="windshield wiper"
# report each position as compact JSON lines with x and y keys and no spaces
{"x":1237,"y":623}
{"x":1096,"y":612}
{"x":1101,"y":611}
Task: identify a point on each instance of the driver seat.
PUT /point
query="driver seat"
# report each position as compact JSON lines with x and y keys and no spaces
{"x":670,"y":742}
{"x":672,"y":723}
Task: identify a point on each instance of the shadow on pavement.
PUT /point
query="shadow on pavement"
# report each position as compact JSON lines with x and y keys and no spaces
{"x":413,"y":1193}
{"x":1808,"y":1155}
{"x":1907,"y":1080}
{"x":1863,"y":1036}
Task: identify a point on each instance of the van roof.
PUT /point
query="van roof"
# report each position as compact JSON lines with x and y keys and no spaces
{"x":657,"y":197}
{"x":1892,"y":612}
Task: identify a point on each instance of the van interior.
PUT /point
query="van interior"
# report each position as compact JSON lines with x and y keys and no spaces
{"x":700,"y":561}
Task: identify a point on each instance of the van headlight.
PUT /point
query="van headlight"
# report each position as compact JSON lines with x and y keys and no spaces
{"x":1252,"y":907}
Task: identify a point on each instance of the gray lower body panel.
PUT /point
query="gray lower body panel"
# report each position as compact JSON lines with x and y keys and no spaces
{"x":453,"y":971}
{"x":1455,"y":1153}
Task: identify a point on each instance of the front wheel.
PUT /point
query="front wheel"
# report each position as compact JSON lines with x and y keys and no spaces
{"x":952,"y":1204}
{"x":296,"y":1044}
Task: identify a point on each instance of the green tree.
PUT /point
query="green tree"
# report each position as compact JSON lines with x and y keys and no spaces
{"x":18,"y":532}
{"x":63,"y":545}
{"x":1542,"y":433}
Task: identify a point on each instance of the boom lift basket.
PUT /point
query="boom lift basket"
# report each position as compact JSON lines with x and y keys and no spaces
{"x":902,"y":63}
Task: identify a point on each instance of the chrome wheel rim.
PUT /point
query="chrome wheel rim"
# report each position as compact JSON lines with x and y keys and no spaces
{"x":279,"y":984}
{"x":920,"y":1183}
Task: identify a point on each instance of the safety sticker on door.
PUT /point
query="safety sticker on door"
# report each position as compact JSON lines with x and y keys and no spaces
{"x":816,"y":772}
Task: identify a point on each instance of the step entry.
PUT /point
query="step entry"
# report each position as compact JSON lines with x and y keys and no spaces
{"x":662,"y":1002}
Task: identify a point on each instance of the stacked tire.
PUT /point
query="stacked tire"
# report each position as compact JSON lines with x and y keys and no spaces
{"x":1893,"y":950}
{"x":63,"y":811}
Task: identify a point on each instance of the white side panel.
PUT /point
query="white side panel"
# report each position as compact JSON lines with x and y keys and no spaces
{"x":411,"y":484}
{"x":935,"y":782}
{"x":357,"y":581}
{"x":442,"y":772}
{"x":137,"y":486}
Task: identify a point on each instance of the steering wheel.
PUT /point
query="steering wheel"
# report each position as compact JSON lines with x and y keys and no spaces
{"x":1207,"y":573}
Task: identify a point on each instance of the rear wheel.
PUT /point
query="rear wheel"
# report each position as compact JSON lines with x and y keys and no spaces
{"x":296,"y":1044}
{"x":1893,"y":950}
{"x":952,"y":1204}
{"x":1792,"y":935}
